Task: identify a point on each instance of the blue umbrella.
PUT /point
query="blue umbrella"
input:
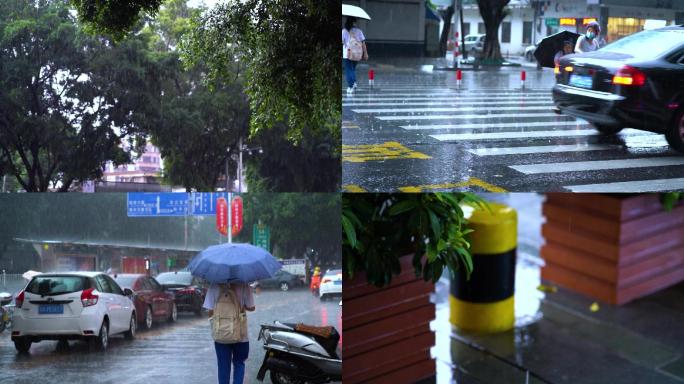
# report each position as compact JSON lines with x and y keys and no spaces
{"x":233,"y":262}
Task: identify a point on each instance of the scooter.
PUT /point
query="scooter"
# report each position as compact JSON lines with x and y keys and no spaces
{"x":299,"y":354}
{"x":5,"y":313}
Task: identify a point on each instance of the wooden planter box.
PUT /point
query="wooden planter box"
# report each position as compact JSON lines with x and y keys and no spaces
{"x":387,"y":337}
{"x":614,"y":248}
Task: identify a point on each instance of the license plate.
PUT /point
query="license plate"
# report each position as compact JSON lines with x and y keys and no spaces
{"x":45,"y":309}
{"x":580,"y":81}
{"x":338,"y":282}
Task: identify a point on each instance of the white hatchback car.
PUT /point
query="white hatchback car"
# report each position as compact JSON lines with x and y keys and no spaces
{"x":72,"y":305}
{"x":331,"y":284}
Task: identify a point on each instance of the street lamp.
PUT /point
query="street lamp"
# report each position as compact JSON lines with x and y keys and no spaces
{"x":241,"y":149}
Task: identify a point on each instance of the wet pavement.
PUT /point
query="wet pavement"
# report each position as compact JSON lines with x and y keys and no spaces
{"x":169,"y":353}
{"x":558,"y":338}
{"x":416,"y":131}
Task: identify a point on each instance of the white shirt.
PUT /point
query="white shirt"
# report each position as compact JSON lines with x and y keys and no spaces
{"x":242,"y":291}
{"x":585,"y":45}
{"x":346,"y":38}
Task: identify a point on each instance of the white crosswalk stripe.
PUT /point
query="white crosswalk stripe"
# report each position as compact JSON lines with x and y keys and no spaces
{"x":517,"y":125}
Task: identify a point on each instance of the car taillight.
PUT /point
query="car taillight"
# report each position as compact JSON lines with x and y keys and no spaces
{"x":89,"y":297}
{"x":326,"y":281}
{"x":19,"y":300}
{"x":568,"y":68}
{"x":629,"y":76}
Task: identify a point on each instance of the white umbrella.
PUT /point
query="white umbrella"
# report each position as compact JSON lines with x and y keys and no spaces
{"x":352,"y":10}
{"x":28,"y":275}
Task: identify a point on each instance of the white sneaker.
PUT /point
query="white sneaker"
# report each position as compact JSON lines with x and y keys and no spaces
{"x":354,"y":87}
{"x":350,"y":90}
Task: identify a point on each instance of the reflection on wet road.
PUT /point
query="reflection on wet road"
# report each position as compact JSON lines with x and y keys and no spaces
{"x":417,"y":131}
{"x":169,"y":353}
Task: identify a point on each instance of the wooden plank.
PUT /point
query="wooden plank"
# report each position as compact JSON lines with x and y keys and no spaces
{"x":639,"y":205}
{"x":649,"y":247}
{"x":650,"y":286}
{"x":409,"y":374}
{"x":578,"y":282}
{"x":580,"y":240}
{"x":584,"y":221}
{"x":388,"y":331}
{"x":652,"y":267}
{"x":580,"y":262}
{"x":609,"y":205}
{"x":358,"y":286}
{"x":652,"y":224}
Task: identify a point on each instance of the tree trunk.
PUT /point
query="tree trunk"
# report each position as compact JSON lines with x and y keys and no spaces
{"x":492,"y":12}
{"x":446,"y":16}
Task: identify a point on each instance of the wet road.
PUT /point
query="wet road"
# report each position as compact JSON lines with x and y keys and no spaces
{"x":169,"y":353}
{"x":414,"y":131}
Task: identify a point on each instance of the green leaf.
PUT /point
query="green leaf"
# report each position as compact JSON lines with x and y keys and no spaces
{"x":349,"y":231}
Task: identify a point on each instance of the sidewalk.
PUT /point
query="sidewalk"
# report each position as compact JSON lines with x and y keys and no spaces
{"x":558,"y":338}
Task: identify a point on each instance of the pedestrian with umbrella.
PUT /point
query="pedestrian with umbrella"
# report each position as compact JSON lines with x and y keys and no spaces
{"x":549,"y":47}
{"x":353,"y":43}
{"x":229,"y":268}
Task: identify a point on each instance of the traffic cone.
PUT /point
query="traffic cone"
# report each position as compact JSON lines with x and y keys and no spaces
{"x":523,"y":76}
{"x":371,"y":78}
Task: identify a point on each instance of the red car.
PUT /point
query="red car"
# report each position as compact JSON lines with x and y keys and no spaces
{"x":151,"y":301}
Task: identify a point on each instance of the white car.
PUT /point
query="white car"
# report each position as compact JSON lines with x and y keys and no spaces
{"x":331,"y":284}
{"x":474,"y":43}
{"x":72,"y":305}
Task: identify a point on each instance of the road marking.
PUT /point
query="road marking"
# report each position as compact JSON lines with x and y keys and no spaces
{"x":464,"y":109}
{"x":448,"y":117}
{"x":444,"y":94}
{"x":471,"y":182}
{"x":452,"y":102}
{"x":658,"y":185}
{"x":496,"y":125}
{"x":598,"y":165}
{"x":500,"y":151}
{"x":512,"y":135}
{"x":390,"y":150}
{"x":452,"y":98}
{"x":353,"y":188}
{"x":349,"y":124}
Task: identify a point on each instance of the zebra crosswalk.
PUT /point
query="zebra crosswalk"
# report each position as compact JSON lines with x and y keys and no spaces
{"x":518,"y":130}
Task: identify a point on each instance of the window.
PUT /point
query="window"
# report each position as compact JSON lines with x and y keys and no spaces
{"x":466,"y":29}
{"x":57,"y":285}
{"x":480,"y":28}
{"x":154,"y":285}
{"x":103,"y":284}
{"x":506,"y":32}
{"x":527,"y":33}
{"x":113,"y":285}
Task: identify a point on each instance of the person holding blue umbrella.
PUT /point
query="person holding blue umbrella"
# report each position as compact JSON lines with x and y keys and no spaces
{"x":229,"y":267}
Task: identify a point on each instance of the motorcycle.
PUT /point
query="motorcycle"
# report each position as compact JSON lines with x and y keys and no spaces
{"x":5,"y":311}
{"x":299,"y":354}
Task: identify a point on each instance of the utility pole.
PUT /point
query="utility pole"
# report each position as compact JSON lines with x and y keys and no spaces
{"x":464,"y":51}
{"x":230,"y":218}
{"x":240,"y":165}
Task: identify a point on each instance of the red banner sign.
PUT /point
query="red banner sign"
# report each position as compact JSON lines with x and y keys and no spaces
{"x":222,"y":216}
{"x":236,"y":213}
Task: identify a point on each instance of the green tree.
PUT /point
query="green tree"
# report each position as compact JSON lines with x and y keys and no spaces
{"x":200,"y":120}
{"x":68,"y":101}
{"x":493,"y":13}
{"x":114,"y":17}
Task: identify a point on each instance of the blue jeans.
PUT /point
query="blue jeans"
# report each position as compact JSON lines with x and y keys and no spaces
{"x":350,"y":72}
{"x":237,"y":354}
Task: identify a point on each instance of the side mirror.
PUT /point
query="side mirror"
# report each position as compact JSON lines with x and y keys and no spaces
{"x":128,"y":292}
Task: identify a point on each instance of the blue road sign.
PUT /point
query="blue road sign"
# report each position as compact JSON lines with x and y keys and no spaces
{"x":173,"y":204}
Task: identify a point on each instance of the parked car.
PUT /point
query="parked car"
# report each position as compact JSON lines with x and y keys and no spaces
{"x":282,"y":279}
{"x":151,"y":301}
{"x":89,"y":306}
{"x":189,"y":291}
{"x":636,"y":82}
{"x":474,"y":43}
{"x":331,"y":284}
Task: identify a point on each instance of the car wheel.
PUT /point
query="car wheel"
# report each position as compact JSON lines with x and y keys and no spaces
{"x":173,"y":316}
{"x":22,"y":344}
{"x":132,"y":328}
{"x":675,"y":134}
{"x":607,"y":129}
{"x":148,"y":318}
{"x":322,"y":297}
{"x":284,"y":286}
{"x":101,"y":342}
{"x":283,"y":378}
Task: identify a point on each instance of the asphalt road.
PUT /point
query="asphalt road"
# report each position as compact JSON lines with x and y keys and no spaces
{"x":416,"y":131}
{"x":169,"y":353}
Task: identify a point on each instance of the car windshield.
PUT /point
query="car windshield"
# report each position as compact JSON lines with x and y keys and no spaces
{"x":174,"y":278}
{"x":57,"y":285}
{"x":125,"y":281}
{"x":647,"y":43}
{"x":333,"y":272}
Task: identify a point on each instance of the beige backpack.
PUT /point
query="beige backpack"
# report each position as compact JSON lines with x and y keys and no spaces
{"x":229,"y":323}
{"x":355,"y":47}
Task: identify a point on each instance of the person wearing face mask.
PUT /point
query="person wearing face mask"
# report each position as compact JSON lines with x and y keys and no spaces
{"x":589,"y":42}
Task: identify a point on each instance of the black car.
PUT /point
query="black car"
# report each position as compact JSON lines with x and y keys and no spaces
{"x":189,"y":291}
{"x":635,"y":82}
{"x":282,"y":279}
